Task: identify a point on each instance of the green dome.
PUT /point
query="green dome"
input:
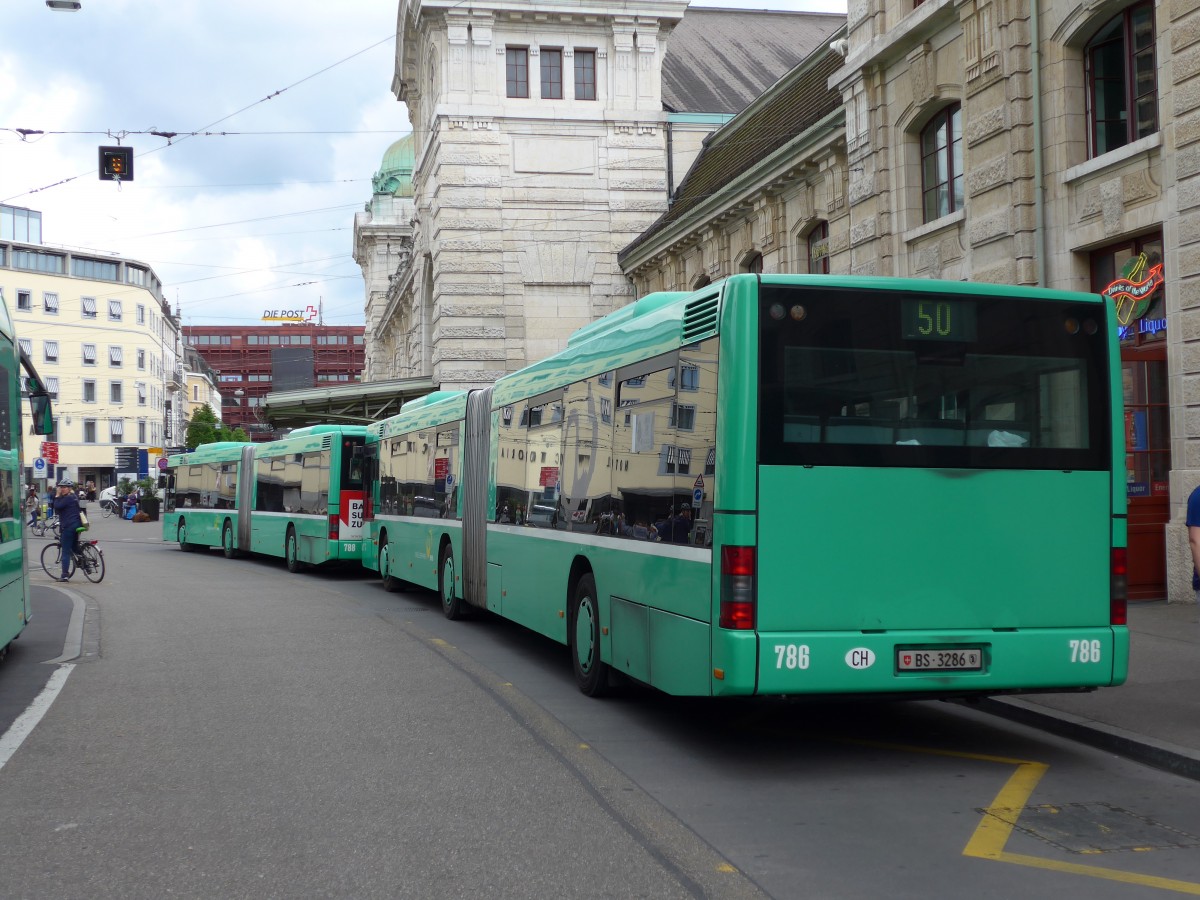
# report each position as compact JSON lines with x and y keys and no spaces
{"x":395,"y":172}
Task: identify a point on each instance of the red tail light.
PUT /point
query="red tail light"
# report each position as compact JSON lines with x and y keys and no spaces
{"x":1119,"y":594}
{"x":333,"y":526}
{"x":738,"y":588}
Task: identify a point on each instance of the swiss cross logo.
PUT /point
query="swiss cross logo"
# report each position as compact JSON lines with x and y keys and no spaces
{"x":908,"y":659}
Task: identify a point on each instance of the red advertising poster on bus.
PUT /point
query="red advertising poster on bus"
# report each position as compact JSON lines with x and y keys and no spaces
{"x":350,"y":524}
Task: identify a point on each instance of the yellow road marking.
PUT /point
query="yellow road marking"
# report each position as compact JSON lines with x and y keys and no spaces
{"x":993,"y":832}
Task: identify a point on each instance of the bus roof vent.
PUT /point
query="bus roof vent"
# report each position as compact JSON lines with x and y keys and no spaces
{"x":700,"y":318}
{"x":327,"y":442}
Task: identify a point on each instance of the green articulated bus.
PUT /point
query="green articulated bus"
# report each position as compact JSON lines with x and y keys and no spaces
{"x":15,"y":611}
{"x":300,"y":498}
{"x":787,"y":485}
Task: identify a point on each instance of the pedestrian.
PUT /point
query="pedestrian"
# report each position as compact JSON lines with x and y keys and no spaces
{"x":33,"y":503}
{"x":1193,"y":527}
{"x":66,"y":507}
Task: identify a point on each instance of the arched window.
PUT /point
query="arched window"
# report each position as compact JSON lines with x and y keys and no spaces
{"x":702,"y":281}
{"x":942,"y":164}
{"x":1122,"y":86}
{"x":753,"y":263}
{"x":818,"y":249}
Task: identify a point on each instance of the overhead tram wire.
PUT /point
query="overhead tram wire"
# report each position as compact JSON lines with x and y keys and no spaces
{"x":171,"y":142}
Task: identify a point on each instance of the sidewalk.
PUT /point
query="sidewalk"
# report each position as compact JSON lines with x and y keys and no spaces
{"x":1155,"y":716}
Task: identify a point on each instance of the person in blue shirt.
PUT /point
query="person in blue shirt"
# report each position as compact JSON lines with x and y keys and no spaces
{"x":1193,"y":527}
{"x":66,"y":507}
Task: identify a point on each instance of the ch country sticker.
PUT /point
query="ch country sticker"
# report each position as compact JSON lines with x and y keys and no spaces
{"x":860,"y":658}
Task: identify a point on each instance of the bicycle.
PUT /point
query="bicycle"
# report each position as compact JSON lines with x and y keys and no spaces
{"x":87,"y":556}
{"x":109,"y":507}
{"x":41,"y":526}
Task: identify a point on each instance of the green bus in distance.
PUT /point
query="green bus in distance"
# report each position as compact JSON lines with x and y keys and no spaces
{"x":299,"y":498}
{"x":787,"y":485}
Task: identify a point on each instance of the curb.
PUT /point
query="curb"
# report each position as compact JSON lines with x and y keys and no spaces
{"x":1148,"y":751}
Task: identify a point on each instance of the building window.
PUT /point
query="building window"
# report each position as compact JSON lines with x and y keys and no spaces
{"x":114,"y":392}
{"x":683,"y":417}
{"x":551,"y":62}
{"x":52,"y":387}
{"x":941,"y":164}
{"x":516,"y":66}
{"x":89,"y":354}
{"x":674,"y":461}
{"x":87,"y":306}
{"x":141,"y":431}
{"x":115,"y":357}
{"x":141,"y":359}
{"x":116,"y":430}
{"x":141,"y":314}
{"x":26,"y":345}
{"x":89,"y":431}
{"x":50,"y":304}
{"x":141,"y":393}
{"x":818,"y":249}
{"x":689,"y":377}
{"x":50,"y":351}
{"x":585,"y":74}
{"x":25,"y":300}
{"x":1121,"y":79}
{"x":753,"y":263}
{"x":195,"y":392}
{"x":89,"y":391}
{"x":114,"y":310}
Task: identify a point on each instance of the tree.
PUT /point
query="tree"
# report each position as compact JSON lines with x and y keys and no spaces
{"x":203,"y":428}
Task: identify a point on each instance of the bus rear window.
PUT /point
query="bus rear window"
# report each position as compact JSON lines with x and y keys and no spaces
{"x":864,"y":378}
{"x":353,"y":463}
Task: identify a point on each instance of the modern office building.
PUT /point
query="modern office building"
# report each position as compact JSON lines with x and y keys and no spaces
{"x":100,"y":333}
{"x":253,"y":361}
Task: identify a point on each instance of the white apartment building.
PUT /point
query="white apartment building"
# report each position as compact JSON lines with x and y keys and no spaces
{"x":103,"y":339}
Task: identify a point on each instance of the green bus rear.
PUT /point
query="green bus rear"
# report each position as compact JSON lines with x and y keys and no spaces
{"x":785,"y":485}
{"x":15,"y":611}
{"x":300,"y":498}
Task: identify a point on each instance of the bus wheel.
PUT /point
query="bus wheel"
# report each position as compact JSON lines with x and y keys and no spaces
{"x":590,"y":673}
{"x":227,"y":541}
{"x":454,"y":607}
{"x":182,"y":535}
{"x":291,"y":552}
{"x":390,"y":584}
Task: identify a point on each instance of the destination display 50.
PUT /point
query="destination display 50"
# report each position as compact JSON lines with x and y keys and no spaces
{"x":937,"y":319}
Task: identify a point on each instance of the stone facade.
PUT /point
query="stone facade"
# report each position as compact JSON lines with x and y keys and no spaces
{"x":1036,"y":202}
{"x":521,"y":204}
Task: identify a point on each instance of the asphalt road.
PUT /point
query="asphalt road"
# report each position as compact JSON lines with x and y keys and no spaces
{"x":236,"y":731}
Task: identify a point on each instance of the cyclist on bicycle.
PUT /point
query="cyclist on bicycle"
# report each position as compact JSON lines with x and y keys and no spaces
{"x":66,"y":507}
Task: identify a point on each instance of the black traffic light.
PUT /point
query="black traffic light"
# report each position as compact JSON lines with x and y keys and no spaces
{"x":116,"y":164}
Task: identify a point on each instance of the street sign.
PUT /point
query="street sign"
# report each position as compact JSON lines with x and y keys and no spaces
{"x":39,"y":467}
{"x":49,"y":451}
{"x":698,"y":497}
{"x":162,"y":463}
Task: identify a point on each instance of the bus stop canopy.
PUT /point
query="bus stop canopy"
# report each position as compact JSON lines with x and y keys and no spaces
{"x":350,"y":404}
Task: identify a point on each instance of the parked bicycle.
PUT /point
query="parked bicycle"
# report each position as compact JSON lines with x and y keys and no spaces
{"x":109,"y":507}
{"x":88,"y":558}
{"x":40,"y":526}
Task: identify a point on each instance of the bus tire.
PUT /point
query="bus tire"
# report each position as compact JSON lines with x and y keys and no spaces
{"x":584,"y":639}
{"x":391,"y":584}
{"x":227,"y":541}
{"x":181,"y":534}
{"x":291,"y":551}
{"x":453,"y":607}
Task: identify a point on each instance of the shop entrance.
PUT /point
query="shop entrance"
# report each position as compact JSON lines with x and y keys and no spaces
{"x":1147,"y":415}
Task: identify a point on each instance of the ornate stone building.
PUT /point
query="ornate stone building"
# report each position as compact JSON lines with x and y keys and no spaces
{"x":383,"y":238}
{"x":985,"y":140}
{"x":542,"y":143}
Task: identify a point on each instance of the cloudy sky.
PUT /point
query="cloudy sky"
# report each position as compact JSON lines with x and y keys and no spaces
{"x":257,"y":217}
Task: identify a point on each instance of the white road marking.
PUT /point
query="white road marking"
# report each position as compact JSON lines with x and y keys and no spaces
{"x":27,"y":721}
